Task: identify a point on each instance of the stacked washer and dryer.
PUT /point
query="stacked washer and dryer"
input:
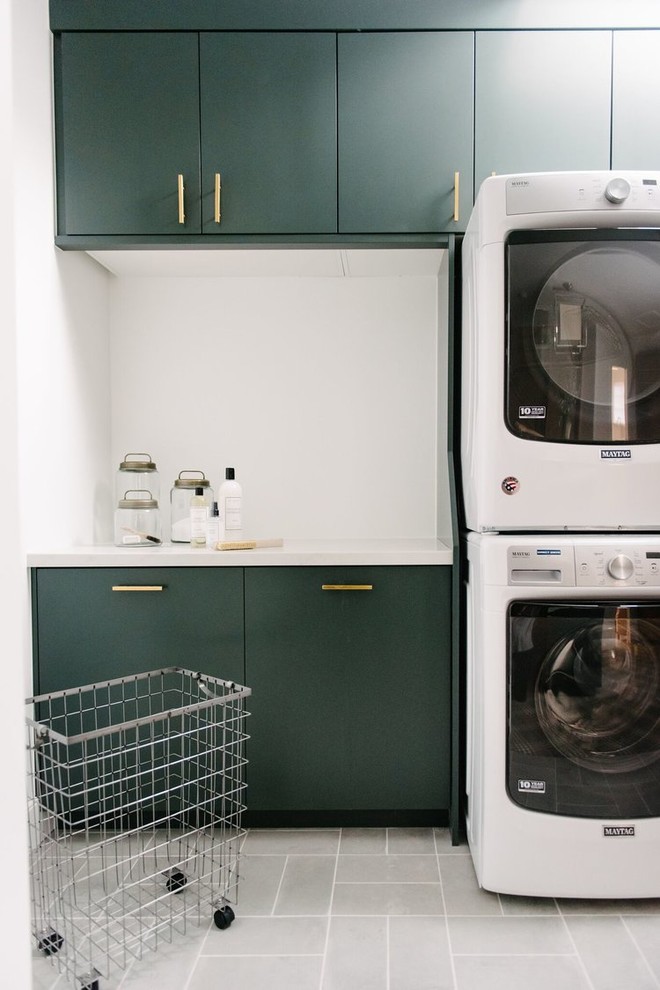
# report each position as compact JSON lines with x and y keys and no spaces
{"x":560,"y":464}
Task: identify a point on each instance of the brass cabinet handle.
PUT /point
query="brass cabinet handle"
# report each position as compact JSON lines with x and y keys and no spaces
{"x":218,"y":187}
{"x":138,"y":587}
{"x":457,"y":190}
{"x":182,"y":214}
{"x":347,"y":587}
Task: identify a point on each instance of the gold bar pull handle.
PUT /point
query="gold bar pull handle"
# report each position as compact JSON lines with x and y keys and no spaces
{"x":218,"y":189}
{"x":457,"y":195}
{"x":138,"y":587}
{"x":181,"y":190}
{"x":347,"y":587}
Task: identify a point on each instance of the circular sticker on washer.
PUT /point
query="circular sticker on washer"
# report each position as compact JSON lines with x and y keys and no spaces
{"x":510,"y":486}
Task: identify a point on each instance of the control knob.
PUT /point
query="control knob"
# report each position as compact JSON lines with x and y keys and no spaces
{"x":621,"y":567}
{"x":617,"y":190}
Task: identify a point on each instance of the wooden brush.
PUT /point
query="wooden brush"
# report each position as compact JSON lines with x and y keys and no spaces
{"x":247,"y":544}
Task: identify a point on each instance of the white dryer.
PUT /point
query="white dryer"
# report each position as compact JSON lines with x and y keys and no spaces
{"x":563,"y":714}
{"x":560,"y":422}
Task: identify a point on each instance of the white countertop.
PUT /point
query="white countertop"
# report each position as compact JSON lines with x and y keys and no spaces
{"x":293,"y":553}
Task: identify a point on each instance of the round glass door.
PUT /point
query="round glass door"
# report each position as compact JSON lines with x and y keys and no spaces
{"x":597,"y":698}
{"x":583,"y":708}
{"x":583,"y":356}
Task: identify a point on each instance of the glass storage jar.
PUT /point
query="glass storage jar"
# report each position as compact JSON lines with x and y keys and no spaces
{"x":137,"y":473}
{"x":137,"y":520}
{"x":181,"y":492}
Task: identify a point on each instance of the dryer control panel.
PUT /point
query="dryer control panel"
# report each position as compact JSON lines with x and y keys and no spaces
{"x":568,"y":192}
{"x":614,"y":567}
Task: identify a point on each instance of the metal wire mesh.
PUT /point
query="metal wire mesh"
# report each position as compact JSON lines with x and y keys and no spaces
{"x":136,"y":790}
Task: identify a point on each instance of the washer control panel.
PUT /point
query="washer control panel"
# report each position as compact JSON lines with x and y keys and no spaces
{"x":546,"y":565}
{"x":613,"y":567}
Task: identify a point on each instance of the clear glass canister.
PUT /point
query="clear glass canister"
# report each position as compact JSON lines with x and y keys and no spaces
{"x":137,"y":520}
{"x":182,"y":491}
{"x":137,"y":473}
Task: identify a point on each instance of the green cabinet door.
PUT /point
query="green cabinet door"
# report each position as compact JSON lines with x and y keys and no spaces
{"x":268,"y":111}
{"x":350,"y":705}
{"x":542,"y":101}
{"x":93,"y":624}
{"x":636,"y":81}
{"x":405,"y":113}
{"x":127,"y":125}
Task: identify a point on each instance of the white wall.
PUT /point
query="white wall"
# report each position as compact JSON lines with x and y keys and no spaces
{"x":54,"y":407}
{"x":62,"y":319}
{"x":443,"y":497}
{"x":321,"y":392}
{"x":14,"y":924}
{"x":65,"y":399}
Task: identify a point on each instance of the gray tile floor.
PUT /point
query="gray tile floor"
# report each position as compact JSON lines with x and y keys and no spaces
{"x":394,"y":909}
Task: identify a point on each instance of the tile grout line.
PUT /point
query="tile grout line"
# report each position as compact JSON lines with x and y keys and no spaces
{"x":637,"y":946}
{"x":517,"y":955}
{"x":186,"y":985}
{"x":444,"y":905}
{"x":279,"y":886}
{"x":329,"y":921}
{"x":265,"y":955}
{"x":581,"y":962}
{"x":387,"y":923}
{"x":387,"y":952}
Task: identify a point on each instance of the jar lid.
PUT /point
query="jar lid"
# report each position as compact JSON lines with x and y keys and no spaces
{"x":201,"y":482}
{"x":137,"y":503}
{"x":143,"y":463}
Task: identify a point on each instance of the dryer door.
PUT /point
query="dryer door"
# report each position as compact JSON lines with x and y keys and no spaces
{"x":583,"y":336}
{"x":583,"y":689}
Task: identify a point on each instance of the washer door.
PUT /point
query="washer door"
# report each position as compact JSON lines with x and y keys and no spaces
{"x":584,"y":708}
{"x":583,"y":339}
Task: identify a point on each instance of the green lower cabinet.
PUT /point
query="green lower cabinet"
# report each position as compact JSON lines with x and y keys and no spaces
{"x":350,"y":705}
{"x":95,"y":623}
{"x":350,"y":709}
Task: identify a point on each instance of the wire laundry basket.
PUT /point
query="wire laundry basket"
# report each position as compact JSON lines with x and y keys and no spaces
{"x":136,"y":794}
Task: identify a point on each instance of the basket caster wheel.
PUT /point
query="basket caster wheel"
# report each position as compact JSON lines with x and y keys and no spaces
{"x":50,"y":942}
{"x":223,"y":917}
{"x":94,"y":985}
{"x":175,"y":884}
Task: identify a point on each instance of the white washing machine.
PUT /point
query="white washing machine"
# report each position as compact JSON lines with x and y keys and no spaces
{"x":563,"y":714}
{"x":561,"y":353}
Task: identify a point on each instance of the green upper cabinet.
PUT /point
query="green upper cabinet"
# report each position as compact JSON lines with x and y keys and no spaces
{"x":139,"y":115}
{"x":268,"y":111}
{"x":174,"y":136}
{"x":405,"y":116}
{"x":636,"y":81}
{"x":542,"y":101}
{"x":127,"y":125}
